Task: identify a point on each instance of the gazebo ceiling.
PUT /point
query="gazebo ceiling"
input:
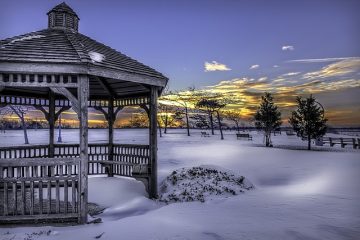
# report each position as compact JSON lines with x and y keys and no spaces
{"x":61,"y":49}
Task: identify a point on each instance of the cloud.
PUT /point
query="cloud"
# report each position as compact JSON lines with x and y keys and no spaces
{"x":279,"y":80}
{"x":254,"y":66}
{"x":331,"y":78}
{"x":215,"y":66}
{"x":275,"y":66}
{"x":287,"y":48}
{"x":291,"y":74}
{"x":262,"y":79}
{"x":336,"y":69}
{"x":320,"y":60}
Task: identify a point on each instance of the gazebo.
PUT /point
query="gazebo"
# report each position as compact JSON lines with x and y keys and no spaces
{"x":53,"y":70}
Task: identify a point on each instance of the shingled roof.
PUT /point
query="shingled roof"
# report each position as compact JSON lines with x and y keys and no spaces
{"x":64,"y":8}
{"x":64,"y":45}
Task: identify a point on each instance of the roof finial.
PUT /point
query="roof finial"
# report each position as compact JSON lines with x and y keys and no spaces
{"x":63,"y":17}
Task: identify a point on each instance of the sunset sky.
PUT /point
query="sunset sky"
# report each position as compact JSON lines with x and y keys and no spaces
{"x":239,"y":48}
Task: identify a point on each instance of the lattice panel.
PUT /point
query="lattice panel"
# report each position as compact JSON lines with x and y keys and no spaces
{"x":30,"y":101}
{"x":131,"y":101}
{"x":38,"y":80}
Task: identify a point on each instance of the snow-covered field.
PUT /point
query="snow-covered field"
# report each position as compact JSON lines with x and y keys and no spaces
{"x":298,"y":194}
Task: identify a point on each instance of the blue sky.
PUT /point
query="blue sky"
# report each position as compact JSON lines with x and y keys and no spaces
{"x":181,"y":38}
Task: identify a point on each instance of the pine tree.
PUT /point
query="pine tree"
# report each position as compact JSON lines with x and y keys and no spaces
{"x":308,"y":119}
{"x":267,"y":117}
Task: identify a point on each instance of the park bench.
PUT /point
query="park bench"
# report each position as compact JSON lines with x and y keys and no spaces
{"x":205,"y":134}
{"x":243,"y":136}
{"x":355,"y":142}
{"x":277,"y":132}
{"x":290,"y":133}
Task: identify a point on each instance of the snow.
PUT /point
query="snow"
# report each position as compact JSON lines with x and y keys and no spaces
{"x":26,"y":38}
{"x":298,"y":194}
{"x":96,"y":57}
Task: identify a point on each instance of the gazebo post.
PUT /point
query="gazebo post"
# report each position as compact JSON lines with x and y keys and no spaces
{"x":111,"y":119}
{"x":153,"y":142}
{"x":51,"y":121}
{"x":83,"y":94}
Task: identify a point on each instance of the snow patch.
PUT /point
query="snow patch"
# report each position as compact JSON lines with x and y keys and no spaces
{"x":21,"y":39}
{"x":201,"y":184}
{"x":96,"y":57}
{"x":26,"y":38}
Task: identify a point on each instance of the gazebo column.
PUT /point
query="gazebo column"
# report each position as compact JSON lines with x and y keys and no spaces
{"x":51,"y":120}
{"x":153,"y":141}
{"x":111,"y":120}
{"x":83,"y":93}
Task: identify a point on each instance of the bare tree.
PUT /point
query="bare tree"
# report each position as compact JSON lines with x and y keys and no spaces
{"x":139,"y":120}
{"x":166,"y":113}
{"x":20,"y":112}
{"x":235,"y":117}
{"x":213,"y":104}
{"x":186,"y":99}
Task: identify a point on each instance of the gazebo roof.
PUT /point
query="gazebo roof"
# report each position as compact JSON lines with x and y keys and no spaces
{"x":66,"y":46}
{"x":62,"y":49}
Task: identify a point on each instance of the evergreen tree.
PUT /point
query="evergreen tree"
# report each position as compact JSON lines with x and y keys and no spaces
{"x":308,"y":119}
{"x":267,"y":117}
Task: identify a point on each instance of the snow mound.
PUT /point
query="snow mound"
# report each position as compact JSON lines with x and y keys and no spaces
{"x":202,"y":183}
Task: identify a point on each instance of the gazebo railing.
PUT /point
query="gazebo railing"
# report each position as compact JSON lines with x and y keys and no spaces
{"x":127,"y":156}
{"x":31,"y":189}
{"x":34,"y":186}
{"x":31,"y":151}
{"x":124,"y":156}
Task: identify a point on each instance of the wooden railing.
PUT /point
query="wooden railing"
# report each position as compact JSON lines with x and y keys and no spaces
{"x":32,"y":189}
{"x":127,"y":156}
{"x":124,"y":158}
{"x":96,"y":152}
{"x":33,"y":151}
{"x":35,"y":187}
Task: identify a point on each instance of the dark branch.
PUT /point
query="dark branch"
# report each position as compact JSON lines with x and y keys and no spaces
{"x":118,"y":109}
{"x":62,"y":109}
{"x":102,"y":110}
{"x":146,"y":108}
{"x":42,"y":109}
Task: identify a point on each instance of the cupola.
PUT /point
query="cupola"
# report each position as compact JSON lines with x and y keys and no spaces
{"x":63,"y":17}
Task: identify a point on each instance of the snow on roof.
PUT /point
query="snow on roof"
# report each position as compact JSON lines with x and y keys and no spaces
{"x":96,"y":57}
{"x":26,"y":38}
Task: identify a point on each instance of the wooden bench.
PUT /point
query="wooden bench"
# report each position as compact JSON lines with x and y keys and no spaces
{"x":205,"y":134}
{"x":355,"y":142}
{"x":243,"y":136}
{"x":290,"y":133}
{"x":138,"y":169}
{"x":140,"y":172}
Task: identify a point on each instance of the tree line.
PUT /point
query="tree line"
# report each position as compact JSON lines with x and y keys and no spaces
{"x":205,"y":110}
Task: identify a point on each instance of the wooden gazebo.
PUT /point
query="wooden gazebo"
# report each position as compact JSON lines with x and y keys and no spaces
{"x":53,"y":70}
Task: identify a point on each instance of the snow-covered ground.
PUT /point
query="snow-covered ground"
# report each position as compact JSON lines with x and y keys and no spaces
{"x":298,"y":194}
